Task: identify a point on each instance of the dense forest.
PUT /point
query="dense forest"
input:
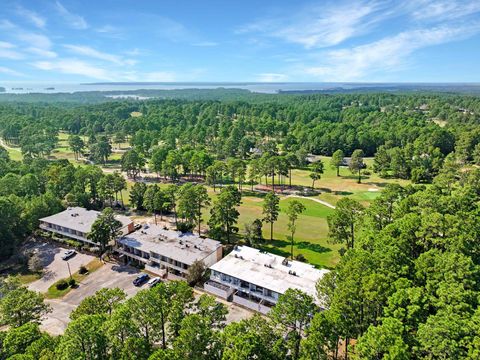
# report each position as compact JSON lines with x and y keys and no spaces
{"x":406,"y":286}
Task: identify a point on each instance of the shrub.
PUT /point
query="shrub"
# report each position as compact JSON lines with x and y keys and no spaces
{"x":95,"y":249}
{"x":35,"y":264}
{"x":300,"y":257}
{"x":72,"y":282}
{"x":366,"y":172}
{"x":61,"y":284}
{"x":185,"y":227}
{"x":83,"y":270}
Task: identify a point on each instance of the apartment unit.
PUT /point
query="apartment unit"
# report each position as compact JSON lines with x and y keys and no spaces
{"x":167,"y":251}
{"x":255,"y":279}
{"x":76,"y":223}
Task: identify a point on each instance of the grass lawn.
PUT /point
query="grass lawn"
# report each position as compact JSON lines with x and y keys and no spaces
{"x":311,"y":235}
{"x":15,"y":154}
{"x":54,"y":293}
{"x":26,"y":279}
{"x":333,"y":187}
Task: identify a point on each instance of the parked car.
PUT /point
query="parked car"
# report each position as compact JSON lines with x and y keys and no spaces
{"x":141,"y":279}
{"x":154,"y":281}
{"x":68,"y":254}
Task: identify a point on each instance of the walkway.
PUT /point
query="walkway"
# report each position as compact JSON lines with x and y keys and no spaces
{"x":313,"y":199}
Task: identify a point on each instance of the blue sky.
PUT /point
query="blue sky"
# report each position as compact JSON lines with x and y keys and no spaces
{"x":148,"y":40}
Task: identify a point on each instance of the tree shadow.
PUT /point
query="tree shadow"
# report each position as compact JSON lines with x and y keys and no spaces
{"x":378,"y":184}
{"x":125,"y":269}
{"x":345,"y":193}
{"x":251,"y":193}
{"x":312,"y":247}
{"x":325,"y":190}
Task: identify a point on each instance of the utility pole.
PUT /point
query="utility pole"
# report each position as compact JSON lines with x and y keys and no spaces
{"x":68,"y":265}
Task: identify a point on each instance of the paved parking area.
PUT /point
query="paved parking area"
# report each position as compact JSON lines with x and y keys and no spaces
{"x":55,"y":267}
{"x":108,"y":276}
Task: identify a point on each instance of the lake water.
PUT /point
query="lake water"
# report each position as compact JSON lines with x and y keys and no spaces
{"x":47,"y":87}
{"x":24,"y":88}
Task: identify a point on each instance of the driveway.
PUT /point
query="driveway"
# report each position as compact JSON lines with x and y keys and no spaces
{"x":54,"y":267}
{"x":108,"y":276}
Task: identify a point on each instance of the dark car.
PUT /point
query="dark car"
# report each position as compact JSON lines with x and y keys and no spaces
{"x":68,"y":254}
{"x":141,"y":279}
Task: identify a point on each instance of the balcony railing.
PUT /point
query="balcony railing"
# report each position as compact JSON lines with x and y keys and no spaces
{"x":251,"y":304}
{"x":66,"y":234}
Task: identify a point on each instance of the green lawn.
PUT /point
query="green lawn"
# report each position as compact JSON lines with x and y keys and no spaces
{"x":332,"y":187}
{"x":54,"y":293}
{"x":311,"y":235}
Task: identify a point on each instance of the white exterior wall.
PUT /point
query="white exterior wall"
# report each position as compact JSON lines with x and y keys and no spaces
{"x":248,"y":288}
{"x":210,"y":259}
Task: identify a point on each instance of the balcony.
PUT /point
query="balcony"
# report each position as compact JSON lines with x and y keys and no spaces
{"x":132,"y":255}
{"x":66,"y":234}
{"x":218,"y":289}
{"x":260,"y":306}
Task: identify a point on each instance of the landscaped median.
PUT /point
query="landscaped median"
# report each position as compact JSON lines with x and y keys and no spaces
{"x":63,"y":286}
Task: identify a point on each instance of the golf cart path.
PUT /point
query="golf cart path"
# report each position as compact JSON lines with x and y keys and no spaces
{"x":313,"y":199}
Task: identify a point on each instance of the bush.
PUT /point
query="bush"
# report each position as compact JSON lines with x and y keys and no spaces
{"x":366,"y":172}
{"x":61,"y":284}
{"x":72,"y":282}
{"x":185,"y":227}
{"x":35,"y":264}
{"x":83,"y":270}
{"x":95,"y":249}
{"x":300,"y":257}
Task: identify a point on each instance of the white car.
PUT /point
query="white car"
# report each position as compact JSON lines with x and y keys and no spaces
{"x":154,"y":281}
{"x":68,"y":254}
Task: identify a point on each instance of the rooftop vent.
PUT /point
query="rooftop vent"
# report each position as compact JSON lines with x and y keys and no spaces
{"x":292,"y":272}
{"x":285,"y":262}
{"x":235,"y":247}
{"x":146,"y":226}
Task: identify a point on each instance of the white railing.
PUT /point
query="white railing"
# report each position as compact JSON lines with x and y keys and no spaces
{"x":224,"y":292}
{"x":259,"y":307}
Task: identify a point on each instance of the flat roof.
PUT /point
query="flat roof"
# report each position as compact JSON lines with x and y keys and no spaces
{"x":185,"y":248}
{"x":269,"y":271}
{"x":80,"y":219}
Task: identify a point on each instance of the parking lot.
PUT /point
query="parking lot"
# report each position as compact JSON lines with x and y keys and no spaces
{"x":110,"y":275}
{"x":55,"y":267}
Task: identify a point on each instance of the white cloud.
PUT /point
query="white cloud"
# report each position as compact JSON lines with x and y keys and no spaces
{"x":75,"y":21}
{"x":93,"y":53}
{"x":75,"y":67}
{"x":35,"y":40}
{"x":32,"y":16}
{"x":8,"y":71}
{"x":8,"y":51}
{"x":6,"y":25}
{"x":323,"y":26}
{"x":271,"y":77}
{"x":441,"y":10}
{"x":388,"y":54}
{"x":41,"y":52}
